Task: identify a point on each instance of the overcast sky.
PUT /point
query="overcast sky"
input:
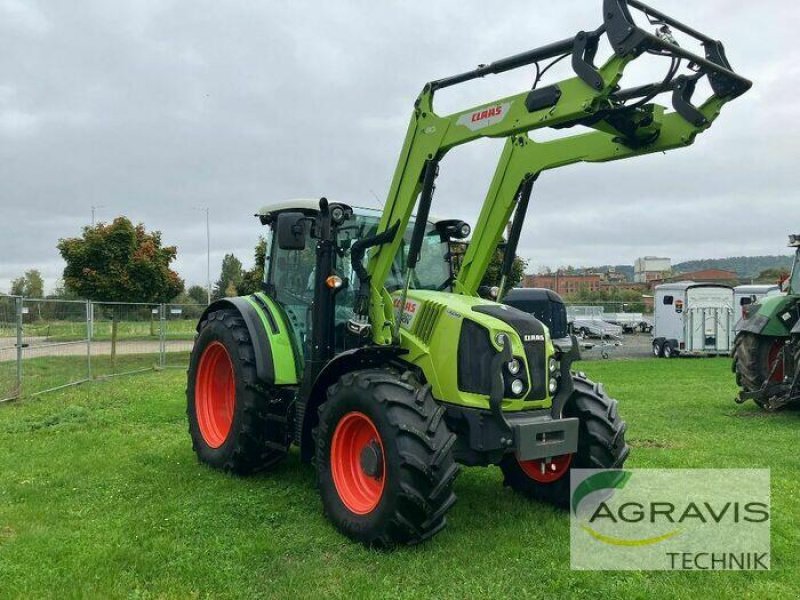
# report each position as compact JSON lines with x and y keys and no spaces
{"x":156,"y":108}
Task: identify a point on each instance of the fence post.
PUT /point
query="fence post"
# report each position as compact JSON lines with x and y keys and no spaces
{"x":162,"y":333}
{"x":19,"y":346}
{"x":89,"y":325}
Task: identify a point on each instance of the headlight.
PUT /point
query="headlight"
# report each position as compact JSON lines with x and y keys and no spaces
{"x":513,"y":366}
{"x":553,"y":365}
{"x":501,"y":338}
{"x":553,"y":385}
{"x":517,"y":387}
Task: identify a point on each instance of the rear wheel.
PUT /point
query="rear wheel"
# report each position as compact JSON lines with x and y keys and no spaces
{"x":384,"y":462}
{"x":669,"y":350}
{"x":601,"y":445}
{"x":235,"y":423}
{"x":756,"y":359}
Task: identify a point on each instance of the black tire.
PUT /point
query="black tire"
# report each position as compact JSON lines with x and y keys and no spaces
{"x":582,"y":333}
{"x":751,"y":360}
{"x":658,"y":349}
{"x":601,"y":444}
{"x":258,"y":436}
{"x":418,"y":471}
{"x":669,"y":350}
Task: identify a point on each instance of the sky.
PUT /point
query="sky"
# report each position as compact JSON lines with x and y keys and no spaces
{"x":157,"y":109}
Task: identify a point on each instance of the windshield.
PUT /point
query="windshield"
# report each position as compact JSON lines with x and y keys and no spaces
{"x":433,"y":268}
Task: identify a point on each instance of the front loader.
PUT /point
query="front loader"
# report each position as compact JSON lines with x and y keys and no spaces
{"x":385,"y":369}
{"x":766,"y":350}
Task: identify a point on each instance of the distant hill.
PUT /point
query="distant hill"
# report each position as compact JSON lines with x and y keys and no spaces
{"x":746,"y":267}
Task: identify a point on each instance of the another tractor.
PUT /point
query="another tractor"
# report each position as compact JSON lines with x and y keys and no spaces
{"x":766,"y":351}
{"x":386,"y":370}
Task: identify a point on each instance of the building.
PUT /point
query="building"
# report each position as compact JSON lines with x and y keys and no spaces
{"x":564,"y":284}
{"x":624,"y":286}
{"x":648,"y":268}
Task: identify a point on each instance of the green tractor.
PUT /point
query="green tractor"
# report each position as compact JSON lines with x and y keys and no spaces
{"x":766,"y":351}
{"x":386,"y":369}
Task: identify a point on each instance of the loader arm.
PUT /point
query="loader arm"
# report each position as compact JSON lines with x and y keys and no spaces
{"x":593,"y":98}
{"x":524,"y":159}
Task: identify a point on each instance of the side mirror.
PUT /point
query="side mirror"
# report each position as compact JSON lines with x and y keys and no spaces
{"x":290,"y":229}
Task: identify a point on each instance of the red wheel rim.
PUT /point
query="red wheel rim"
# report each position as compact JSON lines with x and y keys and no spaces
{"x":357,"y":463}
{"x":215,"y":394}
{"x":775,"y":355}
{"x":546,"y":470}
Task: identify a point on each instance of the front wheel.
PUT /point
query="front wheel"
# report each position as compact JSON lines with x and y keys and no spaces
{"x":385,"y":468}
{"x":601,"y":445}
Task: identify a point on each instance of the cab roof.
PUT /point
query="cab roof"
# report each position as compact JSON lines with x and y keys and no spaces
{"x":311,"y":205}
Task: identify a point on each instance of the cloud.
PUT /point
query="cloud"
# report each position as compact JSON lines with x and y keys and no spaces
{"x":153,"y":109}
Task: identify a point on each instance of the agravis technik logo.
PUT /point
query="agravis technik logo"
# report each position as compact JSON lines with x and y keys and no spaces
{"x":704,"y":519}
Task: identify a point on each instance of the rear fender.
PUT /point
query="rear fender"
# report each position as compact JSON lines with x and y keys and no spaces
{"x":767,"y":318}
{"x":273,"y":344}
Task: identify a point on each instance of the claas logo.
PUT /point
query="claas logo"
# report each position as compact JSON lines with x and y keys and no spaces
{"x":488,"y":113}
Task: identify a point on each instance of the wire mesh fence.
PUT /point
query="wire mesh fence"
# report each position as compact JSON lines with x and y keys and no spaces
{"x":9,"y":363}
{"x":48,"y":344}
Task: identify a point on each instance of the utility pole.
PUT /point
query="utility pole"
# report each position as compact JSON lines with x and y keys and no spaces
{"x":208,"y":251}
{"x":208,"y":254}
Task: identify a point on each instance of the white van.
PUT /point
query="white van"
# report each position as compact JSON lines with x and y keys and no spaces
{"x":693,"y":318}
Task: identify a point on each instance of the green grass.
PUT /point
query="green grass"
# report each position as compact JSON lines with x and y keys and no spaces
{"x":49,"y":372}
{"x":101,"y":496}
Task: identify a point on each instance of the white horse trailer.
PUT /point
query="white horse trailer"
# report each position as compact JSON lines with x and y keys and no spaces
{"x":744,"y":295}
{"x":693,"y":318}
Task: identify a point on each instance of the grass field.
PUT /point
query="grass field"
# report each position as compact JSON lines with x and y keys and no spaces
{"x":101,"y":496}
{"x":141,"y":330}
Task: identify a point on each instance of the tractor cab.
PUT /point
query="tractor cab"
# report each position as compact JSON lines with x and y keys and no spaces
{"x":291,"y":262}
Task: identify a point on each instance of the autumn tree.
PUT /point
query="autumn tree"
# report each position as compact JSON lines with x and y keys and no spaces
{"x":119,"y":262}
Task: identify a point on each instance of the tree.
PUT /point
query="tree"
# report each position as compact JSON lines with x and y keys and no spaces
{"x":30,"y":285}
{"x":197,"y":294}
{"x":119,"y":262}
{"x":230,"y":275}
{"x":773,"y":275}
{"x":251,"y":280}
{"x":493,"y":272}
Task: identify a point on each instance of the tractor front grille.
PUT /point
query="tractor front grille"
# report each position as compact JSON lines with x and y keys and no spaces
{"x":425,"y":321}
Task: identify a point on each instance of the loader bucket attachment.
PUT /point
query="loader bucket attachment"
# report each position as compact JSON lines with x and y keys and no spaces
{"x":627,"y":38}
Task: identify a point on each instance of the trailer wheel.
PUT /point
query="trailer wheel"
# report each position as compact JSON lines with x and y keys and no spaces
{"x":230,"y":422}
{"x":669,"y":350}
{"x":601,"y":445}
{"x":385,"y":468}
{"x":658,"y":348}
